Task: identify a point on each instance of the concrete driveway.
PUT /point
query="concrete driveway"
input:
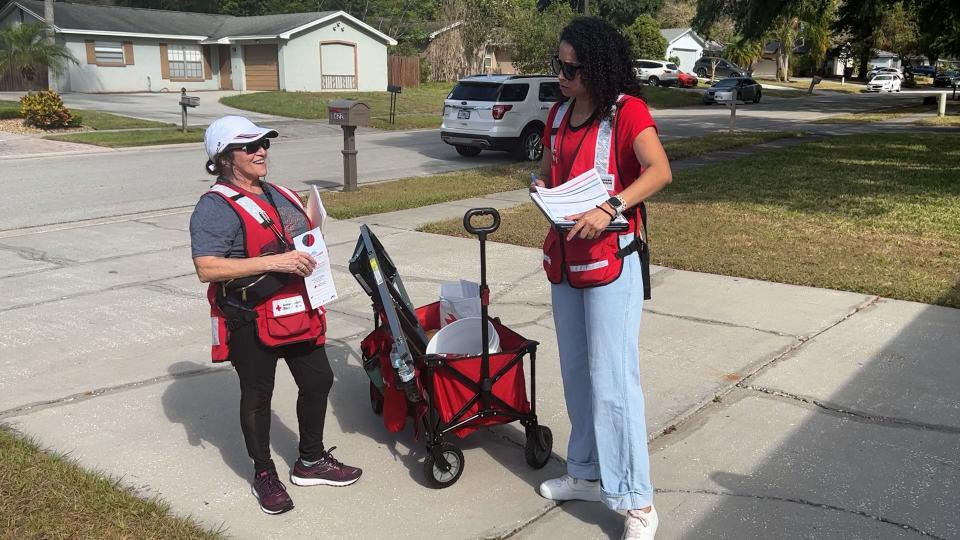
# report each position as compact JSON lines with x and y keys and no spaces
{"x":158,"y":106}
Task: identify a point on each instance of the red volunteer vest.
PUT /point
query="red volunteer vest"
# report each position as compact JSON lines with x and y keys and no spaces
{"x":285,"y":317}
{"x":586,"y":263}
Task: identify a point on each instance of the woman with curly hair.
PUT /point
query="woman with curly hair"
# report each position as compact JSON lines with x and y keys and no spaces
{"x":597,"y":275}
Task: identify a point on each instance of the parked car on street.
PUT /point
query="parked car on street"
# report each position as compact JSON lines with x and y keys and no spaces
{"x":925,"y":71}
{"x":947,"y":79}
{"x":876,"y":71}
{"x":499,"y":112}
{"x":884,"y":82}
{"x":687,"y":80}
{"x":656,"y":72}
{"x":724,"y":68}
{"x":745,"y":89}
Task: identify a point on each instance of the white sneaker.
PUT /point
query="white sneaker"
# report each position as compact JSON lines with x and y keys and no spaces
{"x":640,"y":525}
{"x":568,"y":488}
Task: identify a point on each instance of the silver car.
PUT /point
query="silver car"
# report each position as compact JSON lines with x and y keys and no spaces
{"x":656,"y":72}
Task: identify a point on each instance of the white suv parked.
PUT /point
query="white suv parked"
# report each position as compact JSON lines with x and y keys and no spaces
{"x":656,"y":72}
{"x":499,"y":112}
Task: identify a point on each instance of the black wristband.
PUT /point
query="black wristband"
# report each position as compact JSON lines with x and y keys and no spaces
{"x":612,"y":216}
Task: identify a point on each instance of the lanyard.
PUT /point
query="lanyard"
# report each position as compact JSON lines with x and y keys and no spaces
{"x":563,"y":133}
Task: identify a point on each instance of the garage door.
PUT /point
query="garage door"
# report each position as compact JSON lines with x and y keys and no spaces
{"x":687,"y":57}
{"x":338,"y":66}
{"x":260,"y":62}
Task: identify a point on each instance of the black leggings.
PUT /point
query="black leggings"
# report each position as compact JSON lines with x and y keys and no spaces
{"x":256,"y":365}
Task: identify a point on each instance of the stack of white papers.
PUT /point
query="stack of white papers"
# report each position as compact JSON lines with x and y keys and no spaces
{"x":581,"y":194}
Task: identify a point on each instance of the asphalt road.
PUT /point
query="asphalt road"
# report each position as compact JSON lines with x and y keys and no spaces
{"x":65,"y":188}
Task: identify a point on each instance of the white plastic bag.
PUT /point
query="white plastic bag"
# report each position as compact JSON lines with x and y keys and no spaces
{"x":459,"y":300}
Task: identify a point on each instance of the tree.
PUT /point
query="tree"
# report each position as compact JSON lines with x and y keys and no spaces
{"x":744,"y":52}
{"x":536,"y":36}
{"x":24,"y":47}
{"x":621,"y":13}
{"x":861,"y":18}
{"x":645,"y":38}
{"x":676,"y":13}
{"x":898,"y":31}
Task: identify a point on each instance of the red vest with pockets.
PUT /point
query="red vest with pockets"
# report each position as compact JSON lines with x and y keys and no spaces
{"x":285,"y":317}
{"x":586,"y":263}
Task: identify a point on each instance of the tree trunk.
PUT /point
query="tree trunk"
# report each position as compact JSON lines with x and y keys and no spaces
{"x":864,"y":59}
{"x":48,"y":17}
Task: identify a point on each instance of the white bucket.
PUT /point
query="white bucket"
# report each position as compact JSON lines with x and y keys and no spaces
{"x":463,"y":336}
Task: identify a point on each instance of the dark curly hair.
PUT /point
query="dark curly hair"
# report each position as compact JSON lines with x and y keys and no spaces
{"x":606,"y":58}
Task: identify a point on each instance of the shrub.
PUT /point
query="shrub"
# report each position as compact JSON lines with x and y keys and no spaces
{"x":44,"y":110}
{"x":75,"y":120}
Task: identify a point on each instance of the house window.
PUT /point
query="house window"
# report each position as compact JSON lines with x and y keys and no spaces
{"x":487,"y":62}
{"x":185,"y":61}
{"x":108,"y":52}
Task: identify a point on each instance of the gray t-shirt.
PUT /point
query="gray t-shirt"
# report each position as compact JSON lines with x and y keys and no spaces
{"x":216,"y":229}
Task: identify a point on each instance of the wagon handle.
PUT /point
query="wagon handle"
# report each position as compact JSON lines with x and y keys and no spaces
{"x":481,"y":231}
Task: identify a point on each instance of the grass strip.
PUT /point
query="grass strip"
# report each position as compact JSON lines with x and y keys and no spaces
{"x":426,"y":190}
{"x":139,"y":137}
{"x":44,"y":495}
{"x":419,"y":107}
{"x":689,"y":147}
{"x":9,"y":109}
{"x":890,"y":113}
{"x":102,"y":120}
{"x":819,"y":214}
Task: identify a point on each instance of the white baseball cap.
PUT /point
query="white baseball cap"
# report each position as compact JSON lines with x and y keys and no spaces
{"x":232,"y":130}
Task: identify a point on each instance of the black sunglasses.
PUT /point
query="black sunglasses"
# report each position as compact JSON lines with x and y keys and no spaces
{"x":569,"y":70}
{"x":252,"y":147}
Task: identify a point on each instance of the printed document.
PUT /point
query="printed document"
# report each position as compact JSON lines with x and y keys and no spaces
{"x":320,"y":287}
{"x":315,"y":210}
{"x":581,"y":194}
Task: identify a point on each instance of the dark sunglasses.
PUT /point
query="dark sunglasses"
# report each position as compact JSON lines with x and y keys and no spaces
{"x":569,"y":70}
{"x":252,"y":147}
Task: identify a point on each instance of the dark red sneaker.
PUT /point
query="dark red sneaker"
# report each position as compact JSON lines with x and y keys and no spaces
{"x":271,"y":493}
{"x":326,"y":472}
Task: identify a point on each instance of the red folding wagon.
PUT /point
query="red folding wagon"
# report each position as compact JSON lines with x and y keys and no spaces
{"x":445,"y":393}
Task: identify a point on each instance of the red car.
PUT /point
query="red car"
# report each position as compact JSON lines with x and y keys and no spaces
{"x":687,"y":80}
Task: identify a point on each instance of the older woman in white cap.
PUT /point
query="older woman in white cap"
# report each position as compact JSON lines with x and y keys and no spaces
{"x":242,"y":234}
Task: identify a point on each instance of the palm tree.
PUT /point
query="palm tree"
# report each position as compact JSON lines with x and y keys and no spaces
{"x":744,"y":52}
{"x":25,"y":47}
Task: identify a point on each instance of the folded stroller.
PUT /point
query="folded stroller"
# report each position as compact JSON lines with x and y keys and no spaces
{"x":446,"y":393}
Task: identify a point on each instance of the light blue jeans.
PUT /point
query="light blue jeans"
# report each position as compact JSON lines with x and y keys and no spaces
{"x":597,"y":332}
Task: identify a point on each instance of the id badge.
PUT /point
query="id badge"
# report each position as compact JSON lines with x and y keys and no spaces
{"x":608,"y":181}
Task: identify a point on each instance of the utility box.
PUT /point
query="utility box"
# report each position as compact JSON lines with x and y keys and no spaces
{"x":344,"y":112}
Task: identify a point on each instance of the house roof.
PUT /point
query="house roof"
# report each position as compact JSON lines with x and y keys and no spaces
{"x":673,"y":34}
{"x":72,"y":18}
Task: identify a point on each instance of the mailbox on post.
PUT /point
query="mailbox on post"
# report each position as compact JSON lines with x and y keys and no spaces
{"x":186,"y":101}
{"x":348,"y":115}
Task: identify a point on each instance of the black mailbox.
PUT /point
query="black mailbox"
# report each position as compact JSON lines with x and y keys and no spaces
{"x":189,"y":101}
{"x":344,"y":112}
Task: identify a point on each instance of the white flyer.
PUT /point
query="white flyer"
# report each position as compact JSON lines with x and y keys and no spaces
{"x":315,"y":210}
{"x":320,"y":287}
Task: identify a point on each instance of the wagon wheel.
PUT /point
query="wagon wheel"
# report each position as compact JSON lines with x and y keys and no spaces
{"x":440,"y":475}
{"x":539,"y":446}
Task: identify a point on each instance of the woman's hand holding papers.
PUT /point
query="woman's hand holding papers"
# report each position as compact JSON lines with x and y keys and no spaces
{"x":589,"y":224}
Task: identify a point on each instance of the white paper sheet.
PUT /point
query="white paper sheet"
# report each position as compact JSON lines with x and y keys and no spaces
{"x":580,"y":194}
{"x":315,"y":210}
{"x":321,"y":289}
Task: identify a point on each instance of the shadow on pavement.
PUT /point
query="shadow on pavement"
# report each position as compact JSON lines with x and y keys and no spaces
{"x":208,"y":407}
{"x":877,"y":458}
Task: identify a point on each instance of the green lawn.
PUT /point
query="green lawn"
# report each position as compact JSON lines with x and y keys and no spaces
{"x":890,"y":113}
{"x":826,"y":84}
{"x":877,"y":214}
{"x":91,"y":119}
{"x":416,"y":107}
{"x":139,"y":137}
{"x":9,"y":109}
{"x":43,"y":496}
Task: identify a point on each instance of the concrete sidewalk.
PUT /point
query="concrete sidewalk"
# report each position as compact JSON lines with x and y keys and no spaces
{"x":775,"y":411}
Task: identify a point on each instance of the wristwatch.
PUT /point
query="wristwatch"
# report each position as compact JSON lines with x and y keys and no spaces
{"x":618,"y":205}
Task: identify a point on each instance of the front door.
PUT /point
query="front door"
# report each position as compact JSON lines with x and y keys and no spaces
{"x":226,"y":80}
